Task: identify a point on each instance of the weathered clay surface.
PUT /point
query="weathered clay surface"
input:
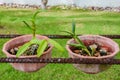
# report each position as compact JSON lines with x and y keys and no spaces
{"x":26,"y":67}
{"x":94,"y":68}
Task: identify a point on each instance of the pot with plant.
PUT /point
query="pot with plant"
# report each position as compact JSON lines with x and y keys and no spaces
{"x":91,"y":47}
{"x":30,"y":46}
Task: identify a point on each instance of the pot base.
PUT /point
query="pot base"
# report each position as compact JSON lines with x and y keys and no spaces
{"x":91,"y":68}
{"x":94,"y":68}
{"x":26,"y":67}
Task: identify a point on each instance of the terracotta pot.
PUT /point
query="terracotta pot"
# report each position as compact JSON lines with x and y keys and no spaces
{"x":26,"y":67}
{"x":94,"y":68}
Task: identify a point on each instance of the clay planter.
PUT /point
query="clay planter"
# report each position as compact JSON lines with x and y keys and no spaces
{"x":94,"y":68}
{"x":26,"y":67}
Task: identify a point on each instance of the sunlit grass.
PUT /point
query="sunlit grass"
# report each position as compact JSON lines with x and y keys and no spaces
{"x":53,"y":22}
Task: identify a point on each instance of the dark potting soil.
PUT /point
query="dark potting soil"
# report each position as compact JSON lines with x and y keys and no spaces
{"x":32,"y":50}
{"x":99,"y":50}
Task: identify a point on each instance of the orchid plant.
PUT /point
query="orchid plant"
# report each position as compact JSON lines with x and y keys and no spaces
{"x":78,"y":43}
{"x":42,"y":44}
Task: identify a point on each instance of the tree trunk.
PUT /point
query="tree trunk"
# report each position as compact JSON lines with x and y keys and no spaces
{"x":44,"y":4}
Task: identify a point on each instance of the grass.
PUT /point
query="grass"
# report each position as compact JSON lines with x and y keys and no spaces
{"x":52,"y":22}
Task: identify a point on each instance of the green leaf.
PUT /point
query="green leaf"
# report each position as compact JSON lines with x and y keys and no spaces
{"x":70,"y":33}
{"x":35,"y":41}
{"x":76,"y":45}
{"x":56,"y":45}
{"x":27,"y":25}
{"x":34,"y":16}
{"x":87,"y":51}
{"x":73,"y":27}
{"x":78,"y":40}
{"x":93,"y":51}
{"x":23,"y":49}
{"x":42,"y":47}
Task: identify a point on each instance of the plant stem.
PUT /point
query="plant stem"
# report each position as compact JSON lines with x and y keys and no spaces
{"x":34,"y":28}
{"x":33,"y":23}
{"x":34,"y":33}
{"x":79,"y":41}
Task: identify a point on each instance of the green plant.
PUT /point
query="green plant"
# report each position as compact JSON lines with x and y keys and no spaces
{"x":78,"y":43}
{"x":42,"y":44}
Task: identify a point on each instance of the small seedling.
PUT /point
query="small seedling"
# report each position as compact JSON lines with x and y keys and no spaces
{"x":94,"y":49}
{"x":78,"y":43}
{"x":42,"y":44}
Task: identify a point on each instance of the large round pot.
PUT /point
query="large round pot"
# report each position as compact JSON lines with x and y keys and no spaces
{"x":26,"y":67}
{"x":94,"y":68}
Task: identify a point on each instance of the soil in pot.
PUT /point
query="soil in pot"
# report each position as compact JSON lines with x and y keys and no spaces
{"x":104,"y":48}
{"x":99,"y":50}
{"x":11,"y":47}
{"x":32,"y":50}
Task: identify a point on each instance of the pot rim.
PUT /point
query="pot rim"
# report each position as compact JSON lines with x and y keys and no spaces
{"x":91,"y":57}
{"x":7,"y":53}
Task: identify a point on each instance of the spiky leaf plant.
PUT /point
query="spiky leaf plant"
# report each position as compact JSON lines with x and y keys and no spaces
{"x":42,"y":44}
{"x":78,"y":43}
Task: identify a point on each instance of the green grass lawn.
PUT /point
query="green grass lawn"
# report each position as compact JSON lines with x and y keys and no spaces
{"x":52,"y":22}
